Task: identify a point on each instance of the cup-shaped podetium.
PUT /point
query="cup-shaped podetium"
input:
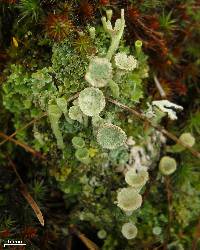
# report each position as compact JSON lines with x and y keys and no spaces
{"x":125,"y":62}
{"x":110,"y":136}
{"x":167,"y":165}
{"x":99,"y":72}
{"x":91,"y":101}
{"x":128,"y":199}
{"x":129,"y":230}
{"x":188,"y":139}
{"x":136,"y":179}
{"x":82,"y":154}
{"x":78,"y":142}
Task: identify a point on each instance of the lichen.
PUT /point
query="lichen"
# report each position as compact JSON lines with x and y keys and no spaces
{"x":167,"y":107}
{"x":99,"y":72}
{"x":54,"y":115}
{"x":188,"y":139}
{"x":115,"y":33}
{"x":82,"y":155}
{"x":125,"y":62}
{"x":136,"y":179}
{"x":91,"y":101}
{"x":78,"y":142}
{"x":75,"y":113}
{"x":110,"y":136}
{"x":129,"y":230}
{"x":167,"y":165}
{"x":128,"y":199}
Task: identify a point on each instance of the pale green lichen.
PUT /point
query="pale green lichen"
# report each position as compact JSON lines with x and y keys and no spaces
{"x":110,"y":136}
{"x":92,"y":32}
{"x":78,"y":142}
{"x":129,"y":230}
{"x":167,"y":107}
{"x":99,"y":72}
{"x":54,"y":114}
{"x":125,"y":62}
{"x":138,"y":47}
{"x":114,"y":87}
{"x":115,"y":33}
{"x":109,"y":14}
{"x":82,"y":154}
{"x":187,"y":139}
{"x":167,"y":165}
{"x":62,"y":104}
{"x":136,"y":179}
{"x":157,"y":230}
{"x":128,"y":199}
{"x":102,"y":234}
{"x":91,"y":101}
{"x":75,"y":113}
{"x":97,"y":121}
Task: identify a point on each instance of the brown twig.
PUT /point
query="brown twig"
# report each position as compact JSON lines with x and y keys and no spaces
{"x":157,"y":127}
{"x":23,"y":145}
{"x":22,"y":128}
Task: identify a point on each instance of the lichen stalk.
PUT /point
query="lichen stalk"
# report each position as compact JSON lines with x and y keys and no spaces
{"x":116,"y":34}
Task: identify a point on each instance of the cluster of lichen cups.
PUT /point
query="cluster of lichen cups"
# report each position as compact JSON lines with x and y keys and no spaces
{"x":91,"y":102}
{"x":168,"y":165}
{"x":129,"y":199}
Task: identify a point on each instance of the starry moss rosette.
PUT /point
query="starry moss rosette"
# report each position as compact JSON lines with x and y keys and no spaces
{"x":91,"y":101}
{"x":99,"y":72}
{"x":110,"y":136}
